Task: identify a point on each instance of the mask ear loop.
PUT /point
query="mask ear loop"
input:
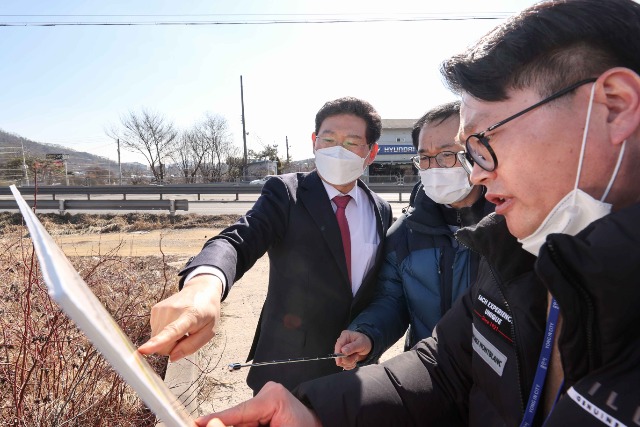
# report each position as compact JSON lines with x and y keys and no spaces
{"x":584,"y":142}
{"x":615,"y":172}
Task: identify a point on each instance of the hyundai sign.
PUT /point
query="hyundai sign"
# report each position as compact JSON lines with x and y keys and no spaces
{"x":396,"y":149}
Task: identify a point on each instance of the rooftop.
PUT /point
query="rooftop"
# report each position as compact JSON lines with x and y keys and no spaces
{"x":398,"y":123}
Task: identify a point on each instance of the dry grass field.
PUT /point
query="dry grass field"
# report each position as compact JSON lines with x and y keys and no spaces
{"x":49,"y":374}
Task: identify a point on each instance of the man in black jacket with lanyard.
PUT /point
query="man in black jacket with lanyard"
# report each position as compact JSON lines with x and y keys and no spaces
{"x":551,"y":120}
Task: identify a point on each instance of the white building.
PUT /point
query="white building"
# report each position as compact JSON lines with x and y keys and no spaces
{"x":393,"y":162}
{"x":260,"y":168}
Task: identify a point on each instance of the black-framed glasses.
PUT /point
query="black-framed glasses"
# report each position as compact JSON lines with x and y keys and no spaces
{"x":444,"y":159}
{"x":478,"y":149}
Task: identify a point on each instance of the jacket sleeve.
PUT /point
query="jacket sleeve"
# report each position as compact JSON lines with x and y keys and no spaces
{"x":387,"y":317}
{"x":236,"y":249}
{"x":428,"y":385}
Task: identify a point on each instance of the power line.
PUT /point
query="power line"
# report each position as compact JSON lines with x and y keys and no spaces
{"x":298,"y":19}
{"x":103,"y":15}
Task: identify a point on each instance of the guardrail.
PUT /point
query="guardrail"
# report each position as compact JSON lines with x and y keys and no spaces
{"x":160,"y":190}
{"x":174,"y":189}
{"x":63,"y":205}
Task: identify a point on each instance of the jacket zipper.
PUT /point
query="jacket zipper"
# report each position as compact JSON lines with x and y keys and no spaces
{"x":513,"y":337}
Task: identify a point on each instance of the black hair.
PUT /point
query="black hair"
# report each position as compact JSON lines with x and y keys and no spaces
{"x":436,"y":115}
{"x":548,"y":46}
{"x":356,"y":107}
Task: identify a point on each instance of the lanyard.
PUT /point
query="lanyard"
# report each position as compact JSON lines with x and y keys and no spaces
{"x":543,"y":364}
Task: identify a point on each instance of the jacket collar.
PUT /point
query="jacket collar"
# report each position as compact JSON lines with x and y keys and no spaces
{"x":594,"y":278}
{"x":425,"y":215}
{"x":470,"y":215}
{"x":492,"y":240}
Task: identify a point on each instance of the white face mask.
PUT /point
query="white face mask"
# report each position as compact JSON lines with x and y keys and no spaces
{"x":577,"y":209}
{"x":445,"y":185}
{"x":339,"y":166}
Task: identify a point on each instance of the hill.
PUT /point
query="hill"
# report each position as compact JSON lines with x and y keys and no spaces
{"x":11,"y":146}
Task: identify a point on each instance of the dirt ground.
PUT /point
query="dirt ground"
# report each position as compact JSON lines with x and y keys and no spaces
{"x":220,"y":388}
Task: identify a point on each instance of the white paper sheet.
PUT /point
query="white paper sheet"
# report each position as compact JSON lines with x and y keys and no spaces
{"x":75,"y":298}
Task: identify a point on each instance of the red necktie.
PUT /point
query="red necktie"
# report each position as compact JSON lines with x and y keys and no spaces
{"x":341,"y":203}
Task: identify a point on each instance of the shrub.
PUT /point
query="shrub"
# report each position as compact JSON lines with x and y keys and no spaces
{"x":50,"y":375}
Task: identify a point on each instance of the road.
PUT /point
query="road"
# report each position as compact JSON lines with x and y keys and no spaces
{"x":239,"y":208}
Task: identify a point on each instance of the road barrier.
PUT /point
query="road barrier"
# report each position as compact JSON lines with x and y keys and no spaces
{"x":63,"y":205}
{"x":171,"y":204}
{"x":173,"y":189}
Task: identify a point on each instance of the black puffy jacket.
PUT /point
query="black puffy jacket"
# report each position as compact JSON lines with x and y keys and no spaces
{"x":478,"y":367}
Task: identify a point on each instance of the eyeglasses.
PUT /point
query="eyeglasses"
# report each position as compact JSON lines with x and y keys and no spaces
{"x":349,"y":144}
{"x":444,"y":159}
{"x":478,"y":149}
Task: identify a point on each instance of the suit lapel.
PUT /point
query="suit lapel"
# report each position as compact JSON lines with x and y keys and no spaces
{"x":316,"y":200}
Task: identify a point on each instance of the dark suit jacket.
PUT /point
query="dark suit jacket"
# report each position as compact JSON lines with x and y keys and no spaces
{"x":309,"y":299}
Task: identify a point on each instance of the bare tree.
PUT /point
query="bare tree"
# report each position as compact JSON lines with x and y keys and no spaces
{"x":188,"y":156}
{"x":147,"y":133}
{"x":214,"y":140}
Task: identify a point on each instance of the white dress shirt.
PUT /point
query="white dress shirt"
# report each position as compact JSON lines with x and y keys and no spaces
{"x":362,"y":229}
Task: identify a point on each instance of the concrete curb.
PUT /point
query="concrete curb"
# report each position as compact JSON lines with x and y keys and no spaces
{"x":182,"y":379}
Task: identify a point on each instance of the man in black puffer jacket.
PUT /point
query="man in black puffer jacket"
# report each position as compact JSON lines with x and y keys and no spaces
{"x":478,"y":368}
{"x":550,"y":331}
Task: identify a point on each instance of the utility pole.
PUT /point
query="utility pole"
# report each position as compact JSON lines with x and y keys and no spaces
{"x":66,"y":171}
{"x":119,"y":164}
{"x":287,"y":145}
{"x":24,"y":164}
{"x":244,"y":132}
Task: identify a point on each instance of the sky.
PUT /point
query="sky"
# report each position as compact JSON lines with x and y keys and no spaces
{"x":66,"y":85}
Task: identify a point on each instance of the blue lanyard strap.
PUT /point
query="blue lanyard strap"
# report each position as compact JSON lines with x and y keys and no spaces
{"x":543,"y":364}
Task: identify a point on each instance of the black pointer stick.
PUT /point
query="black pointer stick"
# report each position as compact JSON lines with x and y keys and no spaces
{"x":237,"y":366}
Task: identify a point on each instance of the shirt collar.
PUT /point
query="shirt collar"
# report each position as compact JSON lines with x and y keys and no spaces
{"x":332,"y":192}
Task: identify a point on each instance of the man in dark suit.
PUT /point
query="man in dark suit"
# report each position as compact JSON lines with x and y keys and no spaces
{"x":323,"y":232}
